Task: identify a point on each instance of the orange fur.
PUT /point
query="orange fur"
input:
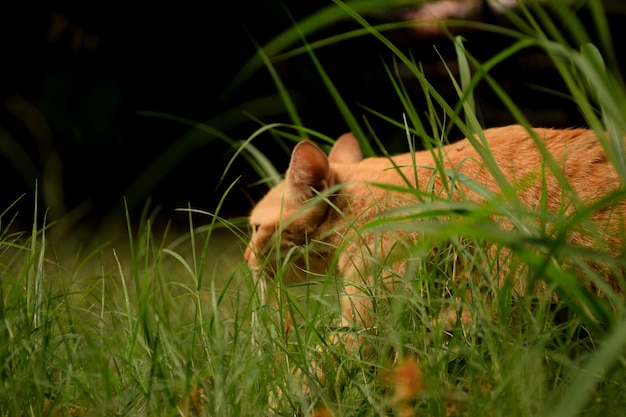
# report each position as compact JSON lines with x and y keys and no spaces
{"x":302,"y":219}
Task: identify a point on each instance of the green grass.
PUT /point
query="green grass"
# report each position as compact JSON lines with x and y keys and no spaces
{"x":171,"y":322}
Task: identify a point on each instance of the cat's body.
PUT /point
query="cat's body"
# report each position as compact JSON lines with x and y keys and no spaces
{"x":333,"y":223}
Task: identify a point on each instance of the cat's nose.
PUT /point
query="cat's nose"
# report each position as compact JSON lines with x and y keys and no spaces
{"x":250,"y":257}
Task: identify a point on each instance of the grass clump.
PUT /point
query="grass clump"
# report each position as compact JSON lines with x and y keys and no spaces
{"x":125,"y":330}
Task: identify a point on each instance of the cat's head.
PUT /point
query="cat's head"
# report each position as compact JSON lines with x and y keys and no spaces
{"x":296,"y":209}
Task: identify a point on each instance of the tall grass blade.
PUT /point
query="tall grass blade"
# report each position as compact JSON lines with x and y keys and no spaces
{"x":467,"y":97}
{"x":343,"y":108}
{"x":316,"y":21}
{"x":284,"y":95}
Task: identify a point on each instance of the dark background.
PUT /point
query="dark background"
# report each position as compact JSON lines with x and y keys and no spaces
{"x":76,"y":77}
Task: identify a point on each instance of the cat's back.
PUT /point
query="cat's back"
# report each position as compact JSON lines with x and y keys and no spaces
{"x":575,"y":152}
{"x":512,"y":148}
{"x":514,"y":144}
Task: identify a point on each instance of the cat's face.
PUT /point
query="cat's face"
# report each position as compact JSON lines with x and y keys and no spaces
{"x":284,"y":224}
{"x":292,"y":213}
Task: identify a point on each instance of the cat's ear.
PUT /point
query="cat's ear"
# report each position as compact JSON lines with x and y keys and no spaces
{"x":346,"y":150}
{"x":309,"y":170}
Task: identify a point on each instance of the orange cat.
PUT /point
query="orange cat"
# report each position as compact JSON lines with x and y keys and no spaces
{"x":325,"y":200}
